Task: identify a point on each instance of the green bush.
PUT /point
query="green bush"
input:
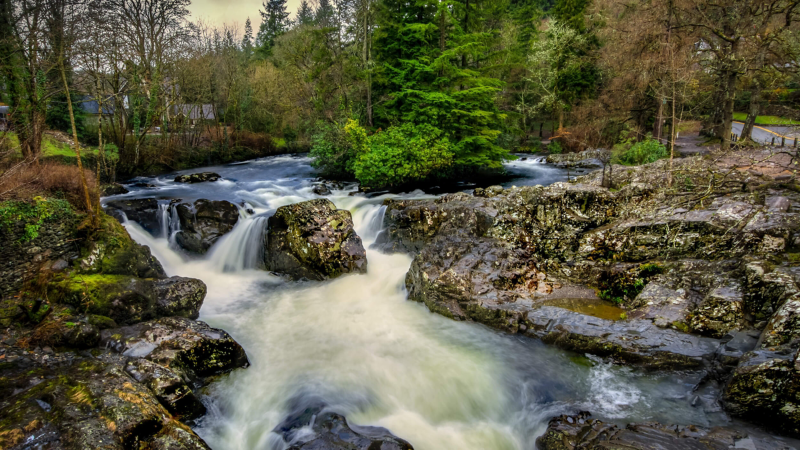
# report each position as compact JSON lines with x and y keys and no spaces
{"x":401,"y":155}
{"x":643,"y":152}
{"x":555,"y":148}
{"x":333,"y":153}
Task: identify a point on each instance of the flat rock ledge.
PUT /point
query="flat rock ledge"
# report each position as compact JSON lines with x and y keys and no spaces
{"x":580,"y":431}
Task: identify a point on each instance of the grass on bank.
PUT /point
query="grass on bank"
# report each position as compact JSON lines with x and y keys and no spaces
{"x":766,"y":120}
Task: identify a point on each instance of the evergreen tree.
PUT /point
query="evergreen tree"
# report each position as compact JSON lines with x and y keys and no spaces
{"x":305,"y":15}
{"x":58,"y":114}
{"x":571,"y":13}
{"x":429,"y":72}
{"x":325,"y":16}
{"x":274,"y":22}
{"x":247,"y":40}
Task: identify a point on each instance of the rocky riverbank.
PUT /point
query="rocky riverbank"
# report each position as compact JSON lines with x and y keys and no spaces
{"x":706,"y":272}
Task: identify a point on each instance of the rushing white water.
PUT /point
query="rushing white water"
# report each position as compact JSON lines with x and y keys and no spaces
{"x":358,"y":344}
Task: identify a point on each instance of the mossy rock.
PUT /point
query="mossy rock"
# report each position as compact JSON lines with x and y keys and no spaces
{"x":111,"y":251}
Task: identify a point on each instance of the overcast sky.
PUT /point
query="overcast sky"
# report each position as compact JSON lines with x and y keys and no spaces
{"x":218,"y":12}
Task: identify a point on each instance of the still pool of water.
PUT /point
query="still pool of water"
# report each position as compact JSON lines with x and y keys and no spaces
{"x":360,"y":346}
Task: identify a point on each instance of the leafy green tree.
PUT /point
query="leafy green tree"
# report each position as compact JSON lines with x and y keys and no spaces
{"x":274,"y":22}
{"x":403,"y":155}
{"x":560,"y":70}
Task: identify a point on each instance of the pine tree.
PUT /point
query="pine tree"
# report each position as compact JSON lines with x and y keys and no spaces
{"x":274,"y":22}
{"x":429,"y":76}
{"x":247,"y":40}
{"x":571,"y":13}
{"x":305,"y":15}
{"x":325,"y":15}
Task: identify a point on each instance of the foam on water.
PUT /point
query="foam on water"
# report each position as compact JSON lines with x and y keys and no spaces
{"x":358,"y":344}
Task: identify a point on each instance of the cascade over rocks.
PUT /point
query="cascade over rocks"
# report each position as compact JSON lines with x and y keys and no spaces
{"x":204,"y":222}
{"x":313,"y":240}
{"x":574,"y":432}
{"x":143,"y":211}
{"x":200,"y":177}
{"x":330,"y":431}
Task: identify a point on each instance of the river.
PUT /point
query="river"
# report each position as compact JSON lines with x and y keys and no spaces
{"x":357,"y":344}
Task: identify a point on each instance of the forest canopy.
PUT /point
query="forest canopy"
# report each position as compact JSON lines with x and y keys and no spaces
{"x":385,"y":91}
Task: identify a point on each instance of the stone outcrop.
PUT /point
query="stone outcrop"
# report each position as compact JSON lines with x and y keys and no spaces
{"x":330,"y":431}
{"x":127,"y":299}
{"x":204,"y":222}
{"x":172,"y":355}
{"x":765,"y":388}
{"x":84,"y":403}
{"x":200,"y":177}
{"x":580,"y":431}
{"x":313,"y":240}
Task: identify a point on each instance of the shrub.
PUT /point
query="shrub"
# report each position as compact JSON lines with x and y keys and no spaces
{"x":643,"y":152}
{"x":25,"y":181}
{"x":402,"y":155}
{"x":555,"y":148}
{"x":334,"y":155}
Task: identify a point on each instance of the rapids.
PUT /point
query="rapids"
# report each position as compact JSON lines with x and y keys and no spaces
{"x":360,"y":346}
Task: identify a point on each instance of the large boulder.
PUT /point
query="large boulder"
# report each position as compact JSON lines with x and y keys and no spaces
{"x":580,"y":431}
{"x":313,"y":240}
{"x":765,"y":388}
{"x":81,"y":404}
{"x":200,"y":177}
{"x":204,"y":222}
{"x":144,"y":211}
{"x":111,"y":251}
{"x":173,"y":356}
{"x":110,"y":189}
{"x":312,"y":425}
{"x":127,"y":299}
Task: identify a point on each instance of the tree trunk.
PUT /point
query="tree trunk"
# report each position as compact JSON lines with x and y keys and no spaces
{"x":723,"y":120}
{"x":752,"y":114}
{"x":366,"y":65}
{"x":87,"y":197}
{"x":659,"y":122}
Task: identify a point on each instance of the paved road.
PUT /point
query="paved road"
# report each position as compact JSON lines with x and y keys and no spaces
{"x":764,"y":135}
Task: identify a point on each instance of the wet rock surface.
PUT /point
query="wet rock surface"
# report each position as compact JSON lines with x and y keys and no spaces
{"x":313,"y":240}
{"x":580,"y":431}
{"x":204,"y":222}
{"x":765,"y":388}
{"x":128,"y":299}
{"x":112,"y":189}
{"x":200,"y":177}
{"x":143,"y":211}
{"x":330,"y":431}
{"x":73,"y":402}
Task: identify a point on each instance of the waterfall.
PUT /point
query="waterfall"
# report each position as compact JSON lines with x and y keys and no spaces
{"x":374,"y":224}
{"x":242,"y":248}
{"x":163,"y":219}
{"x":174,"y":224}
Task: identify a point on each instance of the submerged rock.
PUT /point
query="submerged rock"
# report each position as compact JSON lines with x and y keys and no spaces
{"x":313,"y":240}
{"x":574,"y":432}
{"x":200,"y":177}
{"x":330,"y":431}
{"x":204,"y":222}
{"x":112,"y":189}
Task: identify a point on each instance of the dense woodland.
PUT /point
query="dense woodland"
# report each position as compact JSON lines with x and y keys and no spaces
{"x":387,"y":92}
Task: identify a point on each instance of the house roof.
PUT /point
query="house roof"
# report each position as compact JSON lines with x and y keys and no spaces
{"x":93,"y":107}
{"x":194,"y":112}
